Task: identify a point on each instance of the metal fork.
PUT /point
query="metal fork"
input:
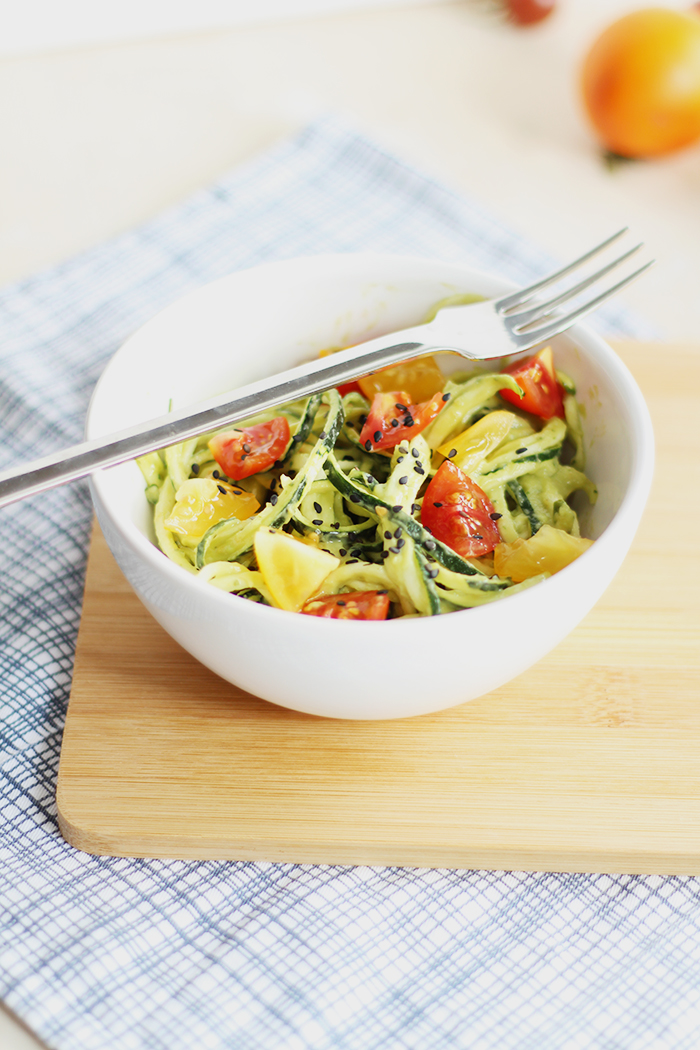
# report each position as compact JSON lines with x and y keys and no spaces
{"x":480,"y":331}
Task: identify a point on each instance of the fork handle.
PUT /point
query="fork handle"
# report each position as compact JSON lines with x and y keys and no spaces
{"x":81,"y":460}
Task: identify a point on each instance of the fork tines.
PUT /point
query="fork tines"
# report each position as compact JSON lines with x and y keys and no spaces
{"x":540,"y":317}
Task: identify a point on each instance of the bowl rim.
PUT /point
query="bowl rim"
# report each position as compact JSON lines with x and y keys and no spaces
{"x":593,"y":344}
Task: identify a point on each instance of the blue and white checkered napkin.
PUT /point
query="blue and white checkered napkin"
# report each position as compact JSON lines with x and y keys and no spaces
{"x":113,"y":954}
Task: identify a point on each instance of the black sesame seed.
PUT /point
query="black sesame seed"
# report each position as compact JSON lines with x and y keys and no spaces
{"x":432,"y":573}
{"x":356,"y":554}
{"x":415,"y":507}
{"x":362,"y":420}
{"x":397,"y":534}
{"x":323,"y":435}
{"x":446,"y":397}
{"x":452,"y":453}
{"x":246,"y":447}
{"x":195,"y":468}
{"x":318,"y":508}
{"x":382,"y":592}
{"x":340,"y":602}
{"x":351,"y":561}
{"x":476,"y":536}
{"x":395,"y":550}
{"x":415,"y":453}
{"x":221,"y":489}
{"x":403,"y":480}
{"x":441,"y":585}
{"x":394,"y":422}
{"x":243,"y":456}
{"x":400,"y":459}
{"x":437,"y":504}
{"x":401,"y":408}
{"x":316,"y":521}
{"x":273,"y":498}
{"x":518,"y":451}
{"x":495,"y":516}
{"x":377,"y":435}
{"x":419,"y":469}
{"x":397,"y":507}
{"x":342,"y":552}
{"x":385,"y":554}
{"x":368,"y":445}
{"x":387,"y":535}
{"x":408,"y":421}
{"x":430,"y":545}
{"x":335,"y":525}
{"x":238,"y":492}
{"x":400,"y":544}
{"x":215,"y":474}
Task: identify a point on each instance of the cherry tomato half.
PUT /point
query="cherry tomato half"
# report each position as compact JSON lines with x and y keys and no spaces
{"x":349,"y":388}
{"x":356,"y":605}
{"x":394,"y":417}
{"x":542,"y":394}
{"x":241,"y":453}
{"x":459,"y":513}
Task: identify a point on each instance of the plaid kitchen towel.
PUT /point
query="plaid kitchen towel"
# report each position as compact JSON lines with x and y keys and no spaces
{"x":114,"y":954}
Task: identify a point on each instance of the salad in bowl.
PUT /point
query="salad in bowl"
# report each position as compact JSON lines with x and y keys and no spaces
{"x":387,"y":549}
{"x":406,"y":493}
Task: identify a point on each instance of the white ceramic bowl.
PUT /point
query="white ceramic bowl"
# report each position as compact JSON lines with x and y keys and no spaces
{"x":259,"y":321}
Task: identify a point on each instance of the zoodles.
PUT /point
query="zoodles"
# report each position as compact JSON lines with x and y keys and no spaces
{"x":361,"y":504}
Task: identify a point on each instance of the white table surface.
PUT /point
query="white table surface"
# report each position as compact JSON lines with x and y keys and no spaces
{"x":99,"y":138}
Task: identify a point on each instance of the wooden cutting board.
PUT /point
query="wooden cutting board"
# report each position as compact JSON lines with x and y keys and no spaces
{"x":590,"y":761}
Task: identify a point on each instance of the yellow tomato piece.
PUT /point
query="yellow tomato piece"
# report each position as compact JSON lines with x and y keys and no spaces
{"x":549,"y":550}
{"x":546,"y":359}
{"x":420,"y":379}
{"x":474,"y":444}
{"x":202,"y":502}
{"x":292,"y":571}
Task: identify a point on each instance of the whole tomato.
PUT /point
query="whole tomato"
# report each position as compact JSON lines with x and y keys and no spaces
{"x":527,"y":12}
{"x":641,"y":82}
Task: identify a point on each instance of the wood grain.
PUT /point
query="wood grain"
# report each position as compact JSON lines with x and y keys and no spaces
{"x":590,"y":761}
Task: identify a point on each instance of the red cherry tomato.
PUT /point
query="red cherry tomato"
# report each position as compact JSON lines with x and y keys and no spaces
{"x":356,"y":605}
{"x":349,"y":388}
{"x":527,"y":12}
{"x":241,"y":453}
{"x":542,"y":393}
{"x":394,"y":417}
{"x":459,"y":513}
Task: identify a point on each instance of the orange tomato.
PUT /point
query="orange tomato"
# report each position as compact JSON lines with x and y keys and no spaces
{"x":641,"y":82}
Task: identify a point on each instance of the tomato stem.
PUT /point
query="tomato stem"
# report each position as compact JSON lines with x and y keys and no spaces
{"x":613,"y":161}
